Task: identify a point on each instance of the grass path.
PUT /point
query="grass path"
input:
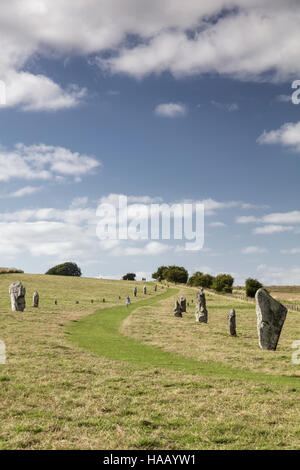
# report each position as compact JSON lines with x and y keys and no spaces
{"x":99,"y":333}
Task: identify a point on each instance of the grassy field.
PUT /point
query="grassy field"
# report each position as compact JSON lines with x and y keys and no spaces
{"x":137,"y":377}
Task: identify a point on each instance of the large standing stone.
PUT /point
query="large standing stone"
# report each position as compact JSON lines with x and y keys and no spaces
{"x":155,"y":288}
{"x":17,"y":296}
{"x":232,"y":323}
{"x":177,"y":309}
{"x":183,"y":304}
{"x":36,"y":299}
{"x":271,"y":315}
{"x":201,"y":310}
{"x":135,"y":291}
{"x":145,"y":289}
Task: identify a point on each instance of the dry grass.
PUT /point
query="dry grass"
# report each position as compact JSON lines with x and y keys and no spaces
{"x":56,"y":396}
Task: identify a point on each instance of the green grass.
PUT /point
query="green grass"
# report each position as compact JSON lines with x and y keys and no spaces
{"x":99,"y":333}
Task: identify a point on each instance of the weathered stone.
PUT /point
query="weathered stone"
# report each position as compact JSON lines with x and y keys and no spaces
{"x":183,"y":304}
{"x":201,"y":310}
{"x":36,"y":299}
{"x":145,"y":289}
{"x":155,"y":288}
{"x":271,"y":315}
{"x":135,"y":291}
{"x":77,"y":302}
{"x":177,"y":309}
{"x":55,"y":301}
{"x":17,"y":296}
{"x":232,"y":323}
{"x":92,"y":301}
{"x":103,"y":300}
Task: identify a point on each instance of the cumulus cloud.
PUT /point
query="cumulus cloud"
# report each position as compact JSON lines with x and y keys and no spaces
{"x":269,"y":229}
{"x":277,"y":275}
{"x":226,"y":106}
{"x":171,"y":110}
{"x":251,"y":250}
{"x":287,"y":135}
{"x":245,"y":39}
{"x":43,"y":162}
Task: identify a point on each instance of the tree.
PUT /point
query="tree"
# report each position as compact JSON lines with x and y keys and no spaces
{"x":252,"y":285}
{"x":223,"y":283}
{"x":129,"y":277}
{"x":176,"y":274}
{"x":160,"y":273}
{"x":65,"y":269}
{"x":199,"y":279}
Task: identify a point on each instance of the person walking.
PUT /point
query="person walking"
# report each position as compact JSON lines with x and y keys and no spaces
{"x":128,"y":301}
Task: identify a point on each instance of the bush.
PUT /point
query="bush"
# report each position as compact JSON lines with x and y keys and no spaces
{"x":199,"y":279}
{"x":11,"y":271}
{"x":252,"y":285}
{"x":223,"y":283}
{"x":161,"y":273}
{"x":65,"y":269}
{"x":129,"y":277}
{"x":176,"y":274}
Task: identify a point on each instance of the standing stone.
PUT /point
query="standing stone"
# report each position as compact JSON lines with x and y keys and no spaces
{"x":183,"y":304}
{"x":232,"y":323}
{"x":17,"y":296}
{"x":201,"y":311}
{"x":55,"y":301}
{"x":135,"y":291}
{"x":271,"y":315}
{"x":92,"y":301}
{"x":155,"y":288}
{"x":177,"y":310}
{"x":36,"y":299}
{"x":145,"y":289}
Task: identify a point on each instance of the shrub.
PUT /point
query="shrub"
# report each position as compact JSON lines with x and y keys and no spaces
{"x":199,"y":279}
{"x":252,"y":285}
{"x":223,"y":283}
{"x":11,"y":271}
{"x":129,"y":277}
{"x":160,"y":274}
{"x":177,"y":274}
{"x":65,"y":269}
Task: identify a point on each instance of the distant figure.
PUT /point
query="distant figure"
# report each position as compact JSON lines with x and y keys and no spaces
{"x":127,"y":301}
{"x":135,"y":291}
{"x":145,"y":289}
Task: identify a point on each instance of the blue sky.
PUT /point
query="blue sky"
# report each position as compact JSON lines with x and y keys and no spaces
{"x":153,"y":102}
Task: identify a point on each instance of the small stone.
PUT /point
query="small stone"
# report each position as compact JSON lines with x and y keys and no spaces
{"x":232,"y":323}
{"x":36,"y":299}
{"x":77,"y":302}
{"x":183,"y":304}
{"x":177,"y":310}
{"x":17,"y":296}
{"x":103,"y":300}
{"x":135,"y":291}
{"x":145,"y":289}
{"x":92,"y":301}
{"x":201,"y":310}
{"x":55,"y":301}
{"x":155,"y":288}
{"x":271,"y":315}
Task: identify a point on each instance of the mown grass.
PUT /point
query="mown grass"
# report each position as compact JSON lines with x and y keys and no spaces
{"x":55,"y":395}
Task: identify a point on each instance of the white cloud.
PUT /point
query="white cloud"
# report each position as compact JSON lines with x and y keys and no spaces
{"x":269,"y":229}
{"x":275,"y":275}
{"x":217,"y":224}
{"x":292,"y":251}
{"x":171,"y":110}
{"x":226,"y":106}
{"x":284,"y":98}
{"x":43,"y":162}
{"x":247,"y":219}
{"x":246,"y":39}
{"x":287,"y":135}
{"x":25,"y":191}
{"x":251,"y":250}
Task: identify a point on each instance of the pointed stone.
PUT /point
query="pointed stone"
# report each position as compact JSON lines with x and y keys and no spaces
{"x":17,"y":296}
{"x":183,"y":304}
{"x":177,"y":309}
{"x":201,"y":310}
{"x":36,"y":299}
{"x":271,"y":315}
{"x":232,"y":323}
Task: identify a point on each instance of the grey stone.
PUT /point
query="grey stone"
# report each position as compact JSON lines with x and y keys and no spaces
{"x":155,"y":288}
{"x":17,"y":296}
{"x":201,"y":310}
{"x":232,"y":323}
{"x":135,"y":291}
{"x":271,"y":315}
{"x":145,"y":289}
{"x":183,"y":304}
{"x":177,"y":309}
{"x":36,"y":299}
